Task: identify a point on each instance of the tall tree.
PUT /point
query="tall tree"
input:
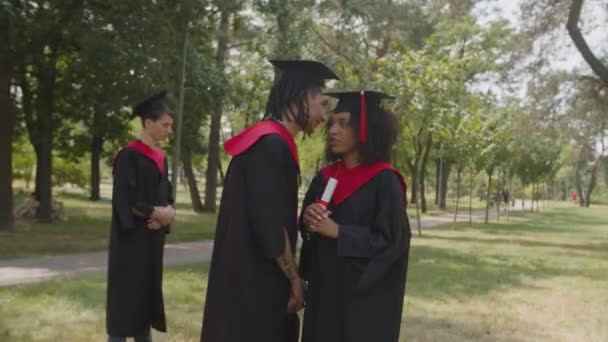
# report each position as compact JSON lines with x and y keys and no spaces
{"x":30,"y":29}
{"x":6,"y":107}
{"x":594,"y":63}
{"x":39,"y":68}
{"x":223,"y":33}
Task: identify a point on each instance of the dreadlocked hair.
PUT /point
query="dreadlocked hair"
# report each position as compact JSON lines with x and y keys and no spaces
{"x":289,"y":95}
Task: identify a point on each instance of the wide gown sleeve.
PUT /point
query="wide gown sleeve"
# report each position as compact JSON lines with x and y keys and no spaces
{"x":123,"y":198}
{"x":386,"y":239}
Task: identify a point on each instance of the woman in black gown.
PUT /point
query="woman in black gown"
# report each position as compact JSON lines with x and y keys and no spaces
{"x":356,"y":247}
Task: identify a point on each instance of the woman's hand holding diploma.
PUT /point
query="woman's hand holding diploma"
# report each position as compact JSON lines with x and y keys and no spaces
{"x":316,"y":216}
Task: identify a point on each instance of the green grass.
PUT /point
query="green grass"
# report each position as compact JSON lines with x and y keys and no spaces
{"x":86,"y":228}
{"x":537,"y":277}
{"x":74,"y":310}
{"x":463,"y":206}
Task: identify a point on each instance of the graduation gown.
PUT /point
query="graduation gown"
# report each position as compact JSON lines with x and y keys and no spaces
{"x":356,"y":283}
{"x":247,"y":292}
{"x":135,"y":261}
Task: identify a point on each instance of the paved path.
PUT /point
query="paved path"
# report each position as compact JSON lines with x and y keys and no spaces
{"x":41,"y":268}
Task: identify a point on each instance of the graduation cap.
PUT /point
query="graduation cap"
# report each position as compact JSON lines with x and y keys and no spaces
{"x":358,"y":101}
{"x":152,"y":106}
{"x":306,"y":68}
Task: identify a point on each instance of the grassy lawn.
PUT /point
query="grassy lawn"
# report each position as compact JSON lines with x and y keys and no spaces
{"x":433,"y":209}
{"x":537,"y":277}
{"x":86,"y":228}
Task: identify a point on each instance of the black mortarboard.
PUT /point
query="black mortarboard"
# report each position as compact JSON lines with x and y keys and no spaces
{"x":310,"y":69}
{"x":359,"y":101}
{"x":152,"y":106}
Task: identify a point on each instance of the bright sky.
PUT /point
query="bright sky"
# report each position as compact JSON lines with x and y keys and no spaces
{"x":594,"y":20}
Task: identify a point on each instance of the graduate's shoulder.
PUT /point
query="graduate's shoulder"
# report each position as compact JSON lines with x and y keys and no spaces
{"x":388,"y":178}
{"x":125,"y":154}
{"x":271,"y":143}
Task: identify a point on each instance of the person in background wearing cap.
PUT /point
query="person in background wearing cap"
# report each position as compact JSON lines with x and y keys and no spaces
{"x":141,"y":214}
{"x":253,"y":278}
{"x":356,"y":247}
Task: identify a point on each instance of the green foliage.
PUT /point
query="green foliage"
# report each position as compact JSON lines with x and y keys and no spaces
{"x":435,"y":57}
{"x":69,"y":172}
{"x":419,"y":81}
{"x":24,"y":161}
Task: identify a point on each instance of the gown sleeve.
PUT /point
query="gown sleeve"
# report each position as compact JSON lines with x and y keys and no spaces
{"x":266,"y":193}
{"x":308,"y":241}
{"x":386,"y":239}
{"x":123,"y":198}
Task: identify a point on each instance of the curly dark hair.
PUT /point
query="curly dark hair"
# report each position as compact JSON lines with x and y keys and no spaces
{"x":382,"y":131}
{"x":291,"y":90}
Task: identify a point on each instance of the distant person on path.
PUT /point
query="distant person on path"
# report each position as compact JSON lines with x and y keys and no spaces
{"x":355,"y":253}
{"x":253,"y":278}
{"x":141,"y":214}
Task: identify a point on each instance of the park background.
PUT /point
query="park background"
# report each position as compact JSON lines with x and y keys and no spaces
{"x":493,"y":97}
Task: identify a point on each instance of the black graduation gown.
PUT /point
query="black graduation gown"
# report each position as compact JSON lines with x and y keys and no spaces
{"x":356,"y":283}
{"x":247,"y":292}
{"x":135,"y":262}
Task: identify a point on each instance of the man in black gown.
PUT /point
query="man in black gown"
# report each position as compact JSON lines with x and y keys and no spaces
{"x":253,"y":279}
{"x":141,"y":214}
{"x":355,"y":253}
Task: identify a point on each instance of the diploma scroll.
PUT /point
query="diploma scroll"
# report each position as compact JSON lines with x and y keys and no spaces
{"x":328,"y":192}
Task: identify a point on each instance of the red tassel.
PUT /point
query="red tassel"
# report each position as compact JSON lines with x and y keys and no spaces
{"x":363,"y":129}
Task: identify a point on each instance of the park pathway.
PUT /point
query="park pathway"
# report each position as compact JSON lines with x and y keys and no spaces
{"x":41,"y":268}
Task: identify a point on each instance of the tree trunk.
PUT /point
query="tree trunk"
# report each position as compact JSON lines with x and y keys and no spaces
{"x":443,"y":195}
{"x":488,"y":196}
{"x":7,"y":219}
{"x":437,"y":182}
{"x":471,"y":198}
{"x":216,"y":117}
{"x":539,"y":197}
{"x":96,"y":149}
{"x":458,"y":173}
{"x":414,"y":197}
{"x":498,"y":199}
{"x":419,"y":224}
{"x":579,"y":41}
{"x":286,"y":47}
{"x":45,"y":116}
{"x":592,"y":182}
{"x":532,"y":197}
{"x":414,"y":186}
{"x":421,"y":180}
{"x":195,"y":196}
{"x":510,"y":199}
{"x":577,"y":179}
{"x":423,"y":206}
{"x":38,"y":174}
{"x":498,"y":203}
{"x":180,"y":113}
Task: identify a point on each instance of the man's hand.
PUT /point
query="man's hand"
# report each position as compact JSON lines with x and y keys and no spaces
{"x":296,"y":297}
{"x":154,"y":224}
{"x":314,"y":214}
{"x":163,"y":215}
